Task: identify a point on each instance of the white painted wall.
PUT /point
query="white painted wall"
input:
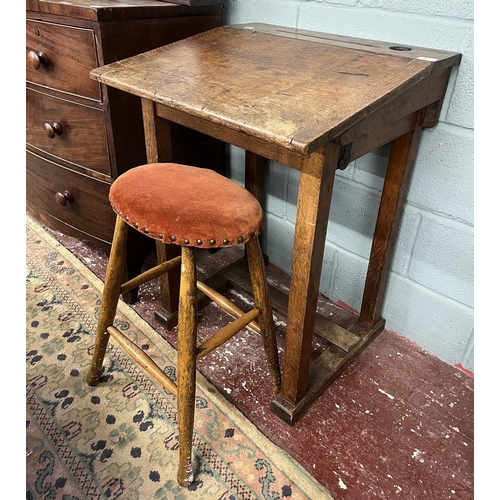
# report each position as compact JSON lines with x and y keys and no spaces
{"x":430,"y":297}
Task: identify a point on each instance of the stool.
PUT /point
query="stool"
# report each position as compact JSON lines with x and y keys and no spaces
{"x":194,"y":208}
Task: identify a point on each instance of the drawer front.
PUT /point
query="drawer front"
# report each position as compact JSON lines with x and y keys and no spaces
{"x":76,"y":199}
{"x":61,"y":57}
{"x":66,"y":130}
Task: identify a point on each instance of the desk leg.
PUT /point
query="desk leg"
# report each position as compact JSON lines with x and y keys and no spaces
{"x":158,"y":136}
{"x":313,"y":203}
{"x":403,"y":151}
{"x":254,"y":179}
{"x":254,"y":174}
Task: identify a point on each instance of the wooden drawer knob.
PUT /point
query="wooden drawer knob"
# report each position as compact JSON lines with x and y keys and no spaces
{"x":64,"y":197}
{"x":37,"y":59}
{"x":52,"y":129}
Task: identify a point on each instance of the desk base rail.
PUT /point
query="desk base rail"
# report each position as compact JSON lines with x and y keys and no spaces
{"x":345,"y":344}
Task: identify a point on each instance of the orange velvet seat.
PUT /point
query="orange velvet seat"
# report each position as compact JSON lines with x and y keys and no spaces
{"x":186,"y":205}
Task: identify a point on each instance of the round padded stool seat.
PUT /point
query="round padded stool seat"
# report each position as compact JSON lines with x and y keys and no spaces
{"x":186,"y":205}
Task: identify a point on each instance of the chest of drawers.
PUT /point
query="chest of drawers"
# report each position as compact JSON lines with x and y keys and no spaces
{"x":80,"y":135}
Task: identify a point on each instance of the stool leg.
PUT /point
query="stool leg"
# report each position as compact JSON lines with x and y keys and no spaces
{"x":262,"y":302}
{"x":110,"y":296}
{"x":186,"y":363}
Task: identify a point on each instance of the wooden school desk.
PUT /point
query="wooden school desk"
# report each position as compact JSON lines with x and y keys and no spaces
{"x":313,"y":102}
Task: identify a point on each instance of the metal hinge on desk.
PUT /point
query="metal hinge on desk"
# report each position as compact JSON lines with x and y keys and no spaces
{"x":345,"y":159}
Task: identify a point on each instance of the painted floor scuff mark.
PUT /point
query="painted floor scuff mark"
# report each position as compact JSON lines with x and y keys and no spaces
{"x":390,"y":396}
{"x":242,"y":297}
{"x":417,"y":455}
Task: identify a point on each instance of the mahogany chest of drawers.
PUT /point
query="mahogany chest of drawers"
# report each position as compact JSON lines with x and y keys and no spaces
{"x":81,"y":135}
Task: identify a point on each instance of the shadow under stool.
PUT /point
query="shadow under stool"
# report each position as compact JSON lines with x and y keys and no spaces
{"x":193,"y":208}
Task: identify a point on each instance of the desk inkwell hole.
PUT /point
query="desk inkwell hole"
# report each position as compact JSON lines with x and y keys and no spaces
{"x":400,"y":48}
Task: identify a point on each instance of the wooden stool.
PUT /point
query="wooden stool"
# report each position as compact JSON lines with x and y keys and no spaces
{"x":193,"y":208}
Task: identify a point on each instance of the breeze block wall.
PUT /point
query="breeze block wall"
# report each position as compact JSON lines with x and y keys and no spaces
{"x":429,"y":297}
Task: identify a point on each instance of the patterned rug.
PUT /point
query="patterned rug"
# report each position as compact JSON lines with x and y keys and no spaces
{"x":118,"y":440}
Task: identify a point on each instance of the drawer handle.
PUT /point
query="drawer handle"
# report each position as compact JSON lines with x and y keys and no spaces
{"x":53,"y":130}
{"x":64,"y":197}
{"x":37,"y":60}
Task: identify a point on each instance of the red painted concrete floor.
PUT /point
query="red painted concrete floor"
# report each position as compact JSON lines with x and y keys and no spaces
{"x":397,"y":423}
